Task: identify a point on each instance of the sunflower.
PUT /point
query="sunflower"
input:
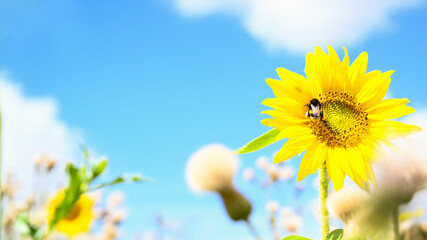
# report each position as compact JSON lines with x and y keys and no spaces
{"x":337,"y":114}
{"x":79,"y":218}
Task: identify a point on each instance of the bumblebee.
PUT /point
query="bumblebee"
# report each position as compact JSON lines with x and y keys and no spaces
{"x":314,"y":110}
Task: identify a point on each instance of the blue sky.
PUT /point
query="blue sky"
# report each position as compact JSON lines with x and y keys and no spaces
{"x":147,"y":83}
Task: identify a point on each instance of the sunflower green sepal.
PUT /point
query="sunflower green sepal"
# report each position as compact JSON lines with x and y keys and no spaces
{"x":260,"y":142}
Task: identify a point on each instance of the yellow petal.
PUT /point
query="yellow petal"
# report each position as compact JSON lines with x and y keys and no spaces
{"x":287,"y":105}
{"x":308,"y":160}
{"x":371,"y":174}
{"x":363,"y":184}
{"x":275,"y":123}
{"x":334,"y":171}
{"x":344,"y":162}
{"x":293,"y":131}
{"x":348,"y":159}
{"x":294,"y":146}
{"x":346,"y":61}
{"x":357,"y":163}
{"x":316,"y":69}
{"x":284,"y":117}
{"x":370,"y":150}
{"x":286,"y":89}
{"x":384,"y":105}
{"x":389,"y":130}
{"x":374,"y":90}
{"x":390,"y":109}
{"x":277,"y":86}
{"x":337,"y":73}
{"x":319,"y":157}
{"x":300,"y":142}
{"x":357,"y":72}
{"x":299,"y":87}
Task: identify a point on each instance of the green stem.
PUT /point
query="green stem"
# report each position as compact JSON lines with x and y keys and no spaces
{"x":252,"y":230}
{"x":395,"y":219}
{"x":324,"y":189}
{"x":273,"y":226}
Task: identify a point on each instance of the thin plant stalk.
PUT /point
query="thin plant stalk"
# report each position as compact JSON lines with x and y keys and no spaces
{"x":273,"y":227}
{"x":395,"y":219}
{"x":252,"y":230}
{"x":324,"y":190}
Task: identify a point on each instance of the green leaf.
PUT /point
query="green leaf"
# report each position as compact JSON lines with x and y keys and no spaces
{"x":26,"y":228}
{"x":337,"y":234}
{"x":259,"y":142}
{"x":22,"y":224}
{"x":71,"y":195}
{"x":86,"y":153}
{"x":98,"y":168}
{"x":126,"y":178}
{"x":293,"y":237}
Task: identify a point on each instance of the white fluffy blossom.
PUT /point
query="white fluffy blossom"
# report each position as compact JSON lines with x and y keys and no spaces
{"x":292,"y":224}
{"x":248,"y":174}
{"x":272,"y":206}
{"x":211,"y":168}
{"x":344,"y":202}
{"x":262,"y":162}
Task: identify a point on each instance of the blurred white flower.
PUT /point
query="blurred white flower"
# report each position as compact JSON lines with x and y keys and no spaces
{"x":211,"y":168}
{"x":248,"y":174}
{"x":45,"y":162}
{"x":118,"y":215}
{"x":286,"y":211}
{"x":286,"y":173}
{"x":403,"y":174}
{"x":38,"y":217}
{"x":262,"y":162}
{"x":292,"y":224}
{"x":273,"y":172}
{"x":343,"y":203}
{"x":114,"y":199}
{"x":272,"y":206}
{"x":110,"y":231}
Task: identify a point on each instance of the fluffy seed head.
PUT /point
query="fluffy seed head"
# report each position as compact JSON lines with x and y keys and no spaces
{"x":286,"y":211}
{"x":248,"y":174}
{"x":262,"y":162}
{"x":292,"y":224}
{"x":344,"y":202}
{"x":211,"y":168}
{"x":286,"y":173}
{"x":272,"y":206}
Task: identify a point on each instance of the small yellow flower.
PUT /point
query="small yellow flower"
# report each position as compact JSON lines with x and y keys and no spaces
{"x":79,"y":218}
{"x":337,"y":114}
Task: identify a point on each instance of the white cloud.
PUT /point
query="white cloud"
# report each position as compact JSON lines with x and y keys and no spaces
{"x":299,"y":26}
{"x":31,"y":126}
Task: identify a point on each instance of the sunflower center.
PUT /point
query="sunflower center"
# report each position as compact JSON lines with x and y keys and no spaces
{"x":74,"y":212}
{"x":344,"y":122}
